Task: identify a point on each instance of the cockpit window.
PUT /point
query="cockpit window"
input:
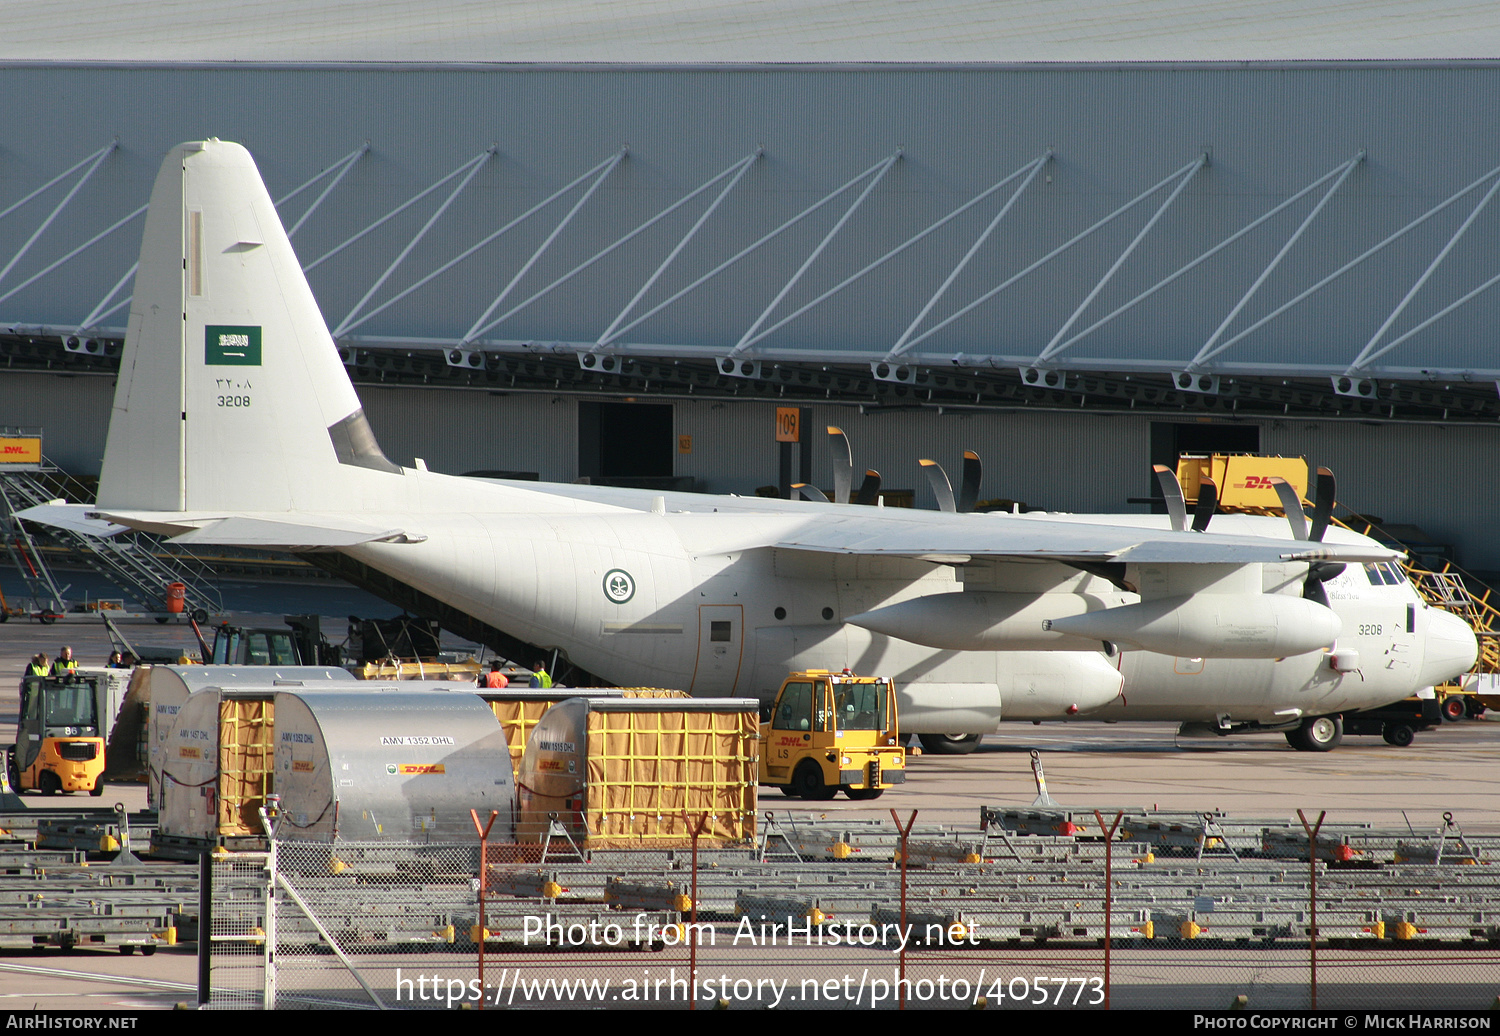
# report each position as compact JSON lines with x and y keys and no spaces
{"x":1385,"y":573}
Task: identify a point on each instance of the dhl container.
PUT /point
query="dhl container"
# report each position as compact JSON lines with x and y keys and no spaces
{"x":1243,"y":480}
{"x":163,"y":690}
{"x":641,"y":772}
{"x":388,"y":764}
{"x":216,"y":770}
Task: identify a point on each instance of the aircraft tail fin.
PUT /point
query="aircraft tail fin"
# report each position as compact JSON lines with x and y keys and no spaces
{"x":231,"y":394}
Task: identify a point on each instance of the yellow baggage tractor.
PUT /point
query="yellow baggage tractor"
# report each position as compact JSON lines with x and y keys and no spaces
{"x":830,"y":731}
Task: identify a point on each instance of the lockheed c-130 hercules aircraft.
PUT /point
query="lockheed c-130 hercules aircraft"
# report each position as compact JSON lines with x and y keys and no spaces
{"x":235,"y":422}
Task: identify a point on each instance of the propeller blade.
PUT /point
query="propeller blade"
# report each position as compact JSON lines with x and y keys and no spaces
{"x":1323,"y":493}
{"x":1171,"y":494}
{"x":843,"y":464}
{"x":869,"y":489}
{"x":1291,"y":503}
{"x":968,"y":489}
{"x":810,"y":492}
{"x":941,"y":487}
{"x":1208,"y":502}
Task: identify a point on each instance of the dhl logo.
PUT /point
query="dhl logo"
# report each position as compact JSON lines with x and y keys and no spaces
{"x":411,"y":768}
{"x":302,"y":766}
{"x":189,"y":753}
{"x":1257,"y":482}
{"x":790,"y":741}
{"x":28,"y":450}
{"x":550,"y":765}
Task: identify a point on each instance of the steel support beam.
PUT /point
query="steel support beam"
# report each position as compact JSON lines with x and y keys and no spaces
{"x":911,"y":328}
{"x":903,"y":246}
{"x":793,"y":221}
{"x":408,"y":203}
{"x":343,"y":166}
{"x":1195,"y":263}
{"x":116,"y":225}
{"x":98,"y":160}
{"x":1366,"y":254}
{"x":1369,"y":352}
{"x":1207,"y":350}
{"x":481,"y":243}
{"x":739,"y":170}
{"x":1053,"y":254}
{"x":743,"y":345}
{"x":1187,"y":175}
{"x":474,"y":167}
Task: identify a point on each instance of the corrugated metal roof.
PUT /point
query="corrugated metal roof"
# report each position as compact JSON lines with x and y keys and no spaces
{"x":775,"y":31}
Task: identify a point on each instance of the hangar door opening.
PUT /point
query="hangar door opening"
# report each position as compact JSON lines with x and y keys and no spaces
{"x":627,"y":444}
{"x":1169,"y":441}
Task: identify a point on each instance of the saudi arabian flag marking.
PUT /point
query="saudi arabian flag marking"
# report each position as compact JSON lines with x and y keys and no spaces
{"x":231,"y":346}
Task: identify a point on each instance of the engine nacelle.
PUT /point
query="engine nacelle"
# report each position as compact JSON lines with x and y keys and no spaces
{"x":1211,"y":626}
{"x":982,"y":621}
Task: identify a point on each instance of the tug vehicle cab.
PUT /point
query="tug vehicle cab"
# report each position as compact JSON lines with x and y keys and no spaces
{"x":830,"y":731}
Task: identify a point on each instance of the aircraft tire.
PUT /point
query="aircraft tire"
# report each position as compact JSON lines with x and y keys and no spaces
{"x":864,"y":794}
{"x":808,"y":780}
{"x":1317,"y":734}
{"x":1398,"y":734}
{"x":1454,"y":708}
{"x":950,"y":744}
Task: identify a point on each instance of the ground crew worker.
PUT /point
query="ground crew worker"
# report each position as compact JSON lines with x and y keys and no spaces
{"x":539,"y":677}
{"x":495,"y":679}
{"x":39,"y":665}
{"x":65,"y":664}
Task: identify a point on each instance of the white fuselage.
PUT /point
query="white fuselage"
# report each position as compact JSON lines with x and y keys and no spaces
{"x":670,"y":597}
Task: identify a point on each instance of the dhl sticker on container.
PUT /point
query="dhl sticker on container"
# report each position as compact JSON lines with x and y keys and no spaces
{"x":302,"y":766}
{"x":405,"y":769}
{"x":189,"y":753}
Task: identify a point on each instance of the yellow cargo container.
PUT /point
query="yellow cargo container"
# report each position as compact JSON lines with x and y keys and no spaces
{"x":519,"y":708}
{"x":640,"y":773}
{"x":1243,"y":479}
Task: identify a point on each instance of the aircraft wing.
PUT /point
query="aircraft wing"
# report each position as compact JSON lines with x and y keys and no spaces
{"x":958,"y":538}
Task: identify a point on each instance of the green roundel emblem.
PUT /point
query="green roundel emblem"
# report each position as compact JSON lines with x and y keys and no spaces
{"x":619,"y":587}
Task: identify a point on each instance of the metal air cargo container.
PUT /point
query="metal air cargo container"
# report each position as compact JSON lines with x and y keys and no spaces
{"x":388,"y":764}
{"x":641,"y":772}
{"x":216,"y":771}
{"x":162,"y":691}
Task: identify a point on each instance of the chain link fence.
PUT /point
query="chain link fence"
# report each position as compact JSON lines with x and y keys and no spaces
{"x":858,"y":908}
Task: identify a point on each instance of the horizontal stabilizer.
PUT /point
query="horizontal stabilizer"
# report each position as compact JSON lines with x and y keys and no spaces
{"x":71,"y":517}
{"x":320,"y":535}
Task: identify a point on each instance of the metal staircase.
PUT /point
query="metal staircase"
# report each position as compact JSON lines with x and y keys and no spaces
{"x":138,"y":563}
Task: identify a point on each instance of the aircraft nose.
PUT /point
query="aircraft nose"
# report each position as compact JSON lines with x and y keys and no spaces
{"x":1449,"y":649}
